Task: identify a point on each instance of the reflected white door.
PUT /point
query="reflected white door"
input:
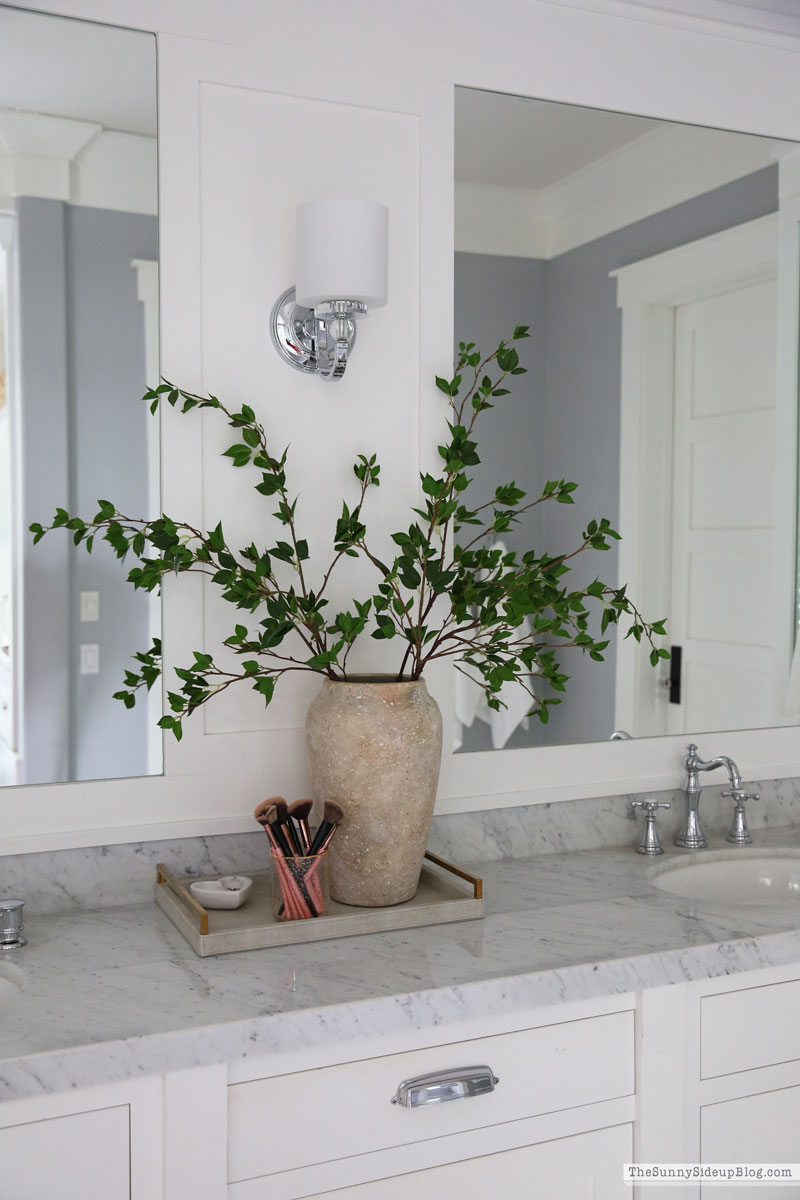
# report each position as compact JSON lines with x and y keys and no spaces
{"x":723,"y":521}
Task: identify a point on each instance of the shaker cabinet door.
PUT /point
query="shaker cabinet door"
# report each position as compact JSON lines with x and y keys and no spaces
{"x":761,"y":1129}
{"x":84,"y":1155}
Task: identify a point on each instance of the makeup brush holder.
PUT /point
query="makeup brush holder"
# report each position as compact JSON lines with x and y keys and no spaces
{"x":300,"y":886}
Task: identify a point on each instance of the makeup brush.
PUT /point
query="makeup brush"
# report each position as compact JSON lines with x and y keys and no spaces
{"x":300,"y":811}
{"x":286,"y":824}
{"x":326,"y":841}
{"x":266,"y":814}
{"x":267,"y":827}
{"x":265,"y":806}
{"x":333,"y":816}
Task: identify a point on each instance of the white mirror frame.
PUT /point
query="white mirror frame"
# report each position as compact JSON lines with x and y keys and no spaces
{"x":685,"y":70}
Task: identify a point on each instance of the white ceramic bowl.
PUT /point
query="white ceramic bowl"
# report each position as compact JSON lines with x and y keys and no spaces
{"x":229,"y":891}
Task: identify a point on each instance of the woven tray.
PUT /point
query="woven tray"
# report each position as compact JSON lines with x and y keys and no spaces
{"x":445,"y":894}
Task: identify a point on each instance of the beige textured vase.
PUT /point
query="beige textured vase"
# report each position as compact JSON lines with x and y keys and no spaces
{"x":375,"y":747}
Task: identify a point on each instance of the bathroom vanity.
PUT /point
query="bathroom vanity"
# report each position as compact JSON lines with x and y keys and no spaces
{"x":622,"y":1023}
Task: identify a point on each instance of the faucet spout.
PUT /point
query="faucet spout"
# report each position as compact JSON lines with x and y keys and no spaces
{"x":691,"y":835}
{"x":733,"y":771}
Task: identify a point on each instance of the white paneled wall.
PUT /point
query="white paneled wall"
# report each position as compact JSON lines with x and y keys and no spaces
{"x":263,"y":154}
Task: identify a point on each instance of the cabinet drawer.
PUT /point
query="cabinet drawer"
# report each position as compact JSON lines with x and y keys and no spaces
{"x":290,"y":1121}
{"x":755,"y":1027}
{"x":585,"y":1167}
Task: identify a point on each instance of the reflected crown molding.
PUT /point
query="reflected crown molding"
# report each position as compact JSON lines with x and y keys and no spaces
{"x":77,"y":162}
{"x":756,"y":20}
{"x":644,"y":177}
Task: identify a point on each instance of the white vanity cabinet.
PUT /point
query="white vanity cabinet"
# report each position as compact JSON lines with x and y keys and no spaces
{"x":719,"y":1077}
{"x":707,"y":1071}
{"x":560,"y":1120}
{"x":100,"y":1143}
{"x":750,"y":1052}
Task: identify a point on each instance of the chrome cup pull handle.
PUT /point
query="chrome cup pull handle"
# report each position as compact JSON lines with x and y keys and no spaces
{"x":439,"y":1087}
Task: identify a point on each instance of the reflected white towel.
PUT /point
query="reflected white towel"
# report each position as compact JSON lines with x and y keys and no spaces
{"x":470,"y":703}
{"x":470,"y":698}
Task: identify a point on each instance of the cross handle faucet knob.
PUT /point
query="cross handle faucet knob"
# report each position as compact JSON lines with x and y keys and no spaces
{"x":739,"y":834}
{"x":649,"y":843}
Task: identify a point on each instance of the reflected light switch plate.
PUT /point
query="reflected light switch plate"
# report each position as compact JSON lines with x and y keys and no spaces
{"x":90,"y":658}
{"x":90,"y":606}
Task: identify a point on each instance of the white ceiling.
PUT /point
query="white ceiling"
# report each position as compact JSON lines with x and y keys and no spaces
{"x":515,"y":142}
{"x":512,"y":141}
{"x":78,"y":69}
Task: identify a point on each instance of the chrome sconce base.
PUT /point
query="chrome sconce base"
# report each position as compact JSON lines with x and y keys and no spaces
{"x":315,"y":340}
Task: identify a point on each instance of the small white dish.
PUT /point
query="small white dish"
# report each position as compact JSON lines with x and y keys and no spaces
{"x":229,"y":891}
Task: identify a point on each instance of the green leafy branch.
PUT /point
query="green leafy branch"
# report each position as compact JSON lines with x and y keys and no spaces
{"x":251,"y":578}
{"x":449,"y":592}
{"x":506,"y":616}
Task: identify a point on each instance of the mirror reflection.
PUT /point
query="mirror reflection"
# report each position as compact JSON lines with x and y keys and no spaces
{"x":78,"y":346}
{"x":657,"y":265}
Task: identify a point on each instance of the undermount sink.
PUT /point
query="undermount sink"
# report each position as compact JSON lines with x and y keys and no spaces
{"x":734,"y":876}
{"x":12,"y":979}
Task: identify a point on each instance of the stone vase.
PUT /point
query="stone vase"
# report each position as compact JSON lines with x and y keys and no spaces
{"x":375,"y":747}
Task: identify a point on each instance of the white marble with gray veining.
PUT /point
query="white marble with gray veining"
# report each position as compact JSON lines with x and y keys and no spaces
{"x":100,"y":876}
{"x":505,"y":833}
{"x":97,"y":876}
{"x":117,"y":993}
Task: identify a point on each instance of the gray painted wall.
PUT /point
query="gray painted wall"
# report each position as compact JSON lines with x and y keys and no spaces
{"x":493,"y":295}
{"x":92,"y":378}
{"x":40,"y":288}
{"x":578,"y":424}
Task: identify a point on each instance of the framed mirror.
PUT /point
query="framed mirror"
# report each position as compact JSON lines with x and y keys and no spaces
{"x":78,"y":347}
{"x":657,"y":265}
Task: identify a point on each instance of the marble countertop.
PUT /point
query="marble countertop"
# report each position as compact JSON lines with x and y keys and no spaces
{"x":115,"y":993}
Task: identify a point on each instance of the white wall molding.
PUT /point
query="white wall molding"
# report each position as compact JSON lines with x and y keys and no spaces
{"x":77,"y":162}
{"x":501,"y":220}
{"x":787,"y":613}
{"x":719,"y":18}
{"x":655,"y":172}
{"x":147,"y":293}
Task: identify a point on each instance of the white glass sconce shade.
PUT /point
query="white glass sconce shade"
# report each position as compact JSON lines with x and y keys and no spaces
{"x":342,"y":271}
{"x":342,"y":252}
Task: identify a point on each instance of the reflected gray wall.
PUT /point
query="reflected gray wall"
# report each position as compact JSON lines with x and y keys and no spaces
{"x":578,"y":425}
{"x":93,"y":377}
{"x":492,"y":295}
{"x":40,"y":288}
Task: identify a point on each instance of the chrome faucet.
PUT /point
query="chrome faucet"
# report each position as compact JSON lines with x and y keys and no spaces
{"x":691,"y":835}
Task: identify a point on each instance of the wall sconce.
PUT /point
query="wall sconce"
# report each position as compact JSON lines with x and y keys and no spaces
{"x":342,"y":269}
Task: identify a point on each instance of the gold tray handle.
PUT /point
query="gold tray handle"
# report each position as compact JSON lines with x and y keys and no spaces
{"x":477,"y":884}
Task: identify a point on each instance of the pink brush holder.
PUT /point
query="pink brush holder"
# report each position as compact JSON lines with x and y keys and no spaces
{"x":300,"y":886}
